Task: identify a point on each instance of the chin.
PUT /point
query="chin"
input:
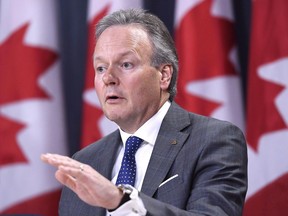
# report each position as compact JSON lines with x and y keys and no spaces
{"x":112,"y":116}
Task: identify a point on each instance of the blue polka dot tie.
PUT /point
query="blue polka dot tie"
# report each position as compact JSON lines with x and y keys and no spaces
{"x":127,"y":173}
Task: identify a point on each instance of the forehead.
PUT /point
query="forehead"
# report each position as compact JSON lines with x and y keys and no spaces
{"x":123,"y":38}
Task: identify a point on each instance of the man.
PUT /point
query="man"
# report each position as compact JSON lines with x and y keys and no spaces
{"x":187,"y":164}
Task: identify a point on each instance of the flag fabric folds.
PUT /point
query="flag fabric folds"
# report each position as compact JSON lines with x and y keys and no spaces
{"x":267,"y":113}
{"x":31,"y":111}
{"x":209,"y":82}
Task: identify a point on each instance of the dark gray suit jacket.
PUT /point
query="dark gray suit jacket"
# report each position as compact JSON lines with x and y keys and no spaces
{"x":209,"y":156}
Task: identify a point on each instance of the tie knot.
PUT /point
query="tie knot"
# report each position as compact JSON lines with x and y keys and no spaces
{"x":132,"y":145}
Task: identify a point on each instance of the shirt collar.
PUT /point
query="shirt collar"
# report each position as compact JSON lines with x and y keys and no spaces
{"x":149,"y":130}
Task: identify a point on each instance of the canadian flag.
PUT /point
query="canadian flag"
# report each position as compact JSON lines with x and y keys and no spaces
{"x":267,"y":110}
{"x":31,"y":112}
{"x":208,"y":83}
{"x":95,"y":124}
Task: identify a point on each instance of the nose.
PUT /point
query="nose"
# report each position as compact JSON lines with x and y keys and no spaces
{"x":110,"y":77}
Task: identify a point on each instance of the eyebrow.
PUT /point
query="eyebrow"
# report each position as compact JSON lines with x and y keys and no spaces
{"x":126,"y":53}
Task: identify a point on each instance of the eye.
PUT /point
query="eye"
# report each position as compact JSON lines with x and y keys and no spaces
{"x":127,"y":65}
{"x":100,"y":69}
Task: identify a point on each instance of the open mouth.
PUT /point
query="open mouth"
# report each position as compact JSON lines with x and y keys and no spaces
{"x":112,"y":97}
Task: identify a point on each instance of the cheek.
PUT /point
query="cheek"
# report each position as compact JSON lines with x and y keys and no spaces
{"x":98,"y":88}
{"x":149,"y":87}
{"x":98,"y":82}
{"x":96,"y":79}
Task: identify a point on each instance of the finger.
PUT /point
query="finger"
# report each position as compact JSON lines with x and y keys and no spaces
{"x":47,"y":159}
{"x":65,"y":179}
{"x":58,"y":160}
{"x":80,"y":172}
{"x":55,"y":157}
{"x":76,"y":184}
{"x":68,"y":166}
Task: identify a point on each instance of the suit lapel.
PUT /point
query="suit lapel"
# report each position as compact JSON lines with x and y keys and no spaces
{"x":169,"y":142}
{"x":104,"y":161}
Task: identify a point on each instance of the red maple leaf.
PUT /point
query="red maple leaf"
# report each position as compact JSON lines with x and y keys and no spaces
{"x":21,"y":65}
{"x":9,"y":150}
{"x":91,"y":114}
{"x":203,"y":42}
{"x":269,"y":42}
{"x":271,"y":200}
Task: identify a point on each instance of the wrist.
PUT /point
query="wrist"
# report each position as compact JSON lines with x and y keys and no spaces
{"x":125,"y":191}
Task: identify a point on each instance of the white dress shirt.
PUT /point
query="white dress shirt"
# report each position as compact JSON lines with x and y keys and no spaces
{"x":148,"y":132}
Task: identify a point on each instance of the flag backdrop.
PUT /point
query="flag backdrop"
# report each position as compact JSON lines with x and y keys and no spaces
{"x":31,"y":112}
{"x":267,"y":110}
{"x":209,"y":81}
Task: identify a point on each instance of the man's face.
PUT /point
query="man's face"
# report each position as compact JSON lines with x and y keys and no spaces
{"x":130,"y":90}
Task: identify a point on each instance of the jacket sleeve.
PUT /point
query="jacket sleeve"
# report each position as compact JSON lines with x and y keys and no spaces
{"x":219,"y":177}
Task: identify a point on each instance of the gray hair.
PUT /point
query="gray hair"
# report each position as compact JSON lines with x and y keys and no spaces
{"x":164,"y":51}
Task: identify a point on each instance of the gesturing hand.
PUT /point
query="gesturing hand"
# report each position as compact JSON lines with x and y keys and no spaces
{"x":87,"y":183}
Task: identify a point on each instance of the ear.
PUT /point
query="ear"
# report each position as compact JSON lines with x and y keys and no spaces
{"x":166,"y":71}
